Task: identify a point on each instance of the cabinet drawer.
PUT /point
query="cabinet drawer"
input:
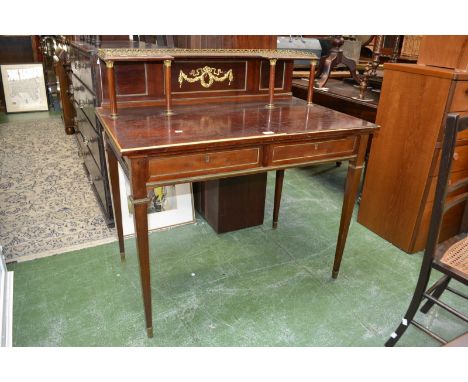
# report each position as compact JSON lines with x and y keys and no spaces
{"x":460,"y":97}
{"x":90,"y":137}
{"x":203,"y":163}
{"x":460,"y":159}
{"x":450,"y":225}
{"x":308,"y":152}
{"x":94,"y":173}
{"x":83,"y":99}
{"x":454,"y":176}
{"x":81,"y":66}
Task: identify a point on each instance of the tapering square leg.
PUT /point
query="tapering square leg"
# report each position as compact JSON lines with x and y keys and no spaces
{"x":115,"y":190}
{"x":278,"y":191}
{"x":350,"y":195}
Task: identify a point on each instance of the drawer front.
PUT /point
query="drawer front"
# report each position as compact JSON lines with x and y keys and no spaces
{"x":308,"y":152}
{"x":460,"y":97}
{"x":454,"y":177}
{"x":204,"y":163}
{"x":81,"y":66}
{"x":94,"y":173}
{"x":90,"y":137}
{"x":460,"y":159}
{"x":450,"y":225}
{"x":83,"y":98}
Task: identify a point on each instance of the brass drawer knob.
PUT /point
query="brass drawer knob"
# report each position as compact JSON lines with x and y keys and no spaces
{"x":83,"y":153}
{"x":93,"y":179}
{"x":456,"y":156}
{"x":88,"y":141}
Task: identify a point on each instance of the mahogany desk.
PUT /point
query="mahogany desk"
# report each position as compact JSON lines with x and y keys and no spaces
{"x":212,"y":141}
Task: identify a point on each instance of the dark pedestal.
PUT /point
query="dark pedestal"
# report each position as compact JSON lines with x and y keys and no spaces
{"x":233,"y":203}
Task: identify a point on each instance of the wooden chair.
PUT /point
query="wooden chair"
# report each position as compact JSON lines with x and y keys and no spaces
{"x":449,"y":257}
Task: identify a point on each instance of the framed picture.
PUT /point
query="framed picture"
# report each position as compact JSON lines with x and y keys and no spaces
{"x":24,"y":87}
{"x":170,"y":206}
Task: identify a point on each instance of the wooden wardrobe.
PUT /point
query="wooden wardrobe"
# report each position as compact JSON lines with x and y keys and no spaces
{"x":401,"y":176}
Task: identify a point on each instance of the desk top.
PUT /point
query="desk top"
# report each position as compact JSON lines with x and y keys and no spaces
{"x":147,"y":129}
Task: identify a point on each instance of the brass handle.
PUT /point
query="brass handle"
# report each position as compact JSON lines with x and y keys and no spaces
{"x":87,"y":102}
{"x":83,"y":153}
{"x":84,"y":103}
{"x":87,"y":141}
{"x":93,"y":179}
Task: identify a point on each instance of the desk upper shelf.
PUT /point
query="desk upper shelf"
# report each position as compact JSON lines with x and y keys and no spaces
{"x":158,"y":54}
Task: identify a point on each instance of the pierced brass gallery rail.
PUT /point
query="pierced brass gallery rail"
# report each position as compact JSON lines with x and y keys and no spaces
{"x":207,"y":76}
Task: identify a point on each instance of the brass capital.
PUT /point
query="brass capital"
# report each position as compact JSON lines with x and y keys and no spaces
{"x":167,"y":63}
{"x":110,"y":64}
{"x":273,"y":61}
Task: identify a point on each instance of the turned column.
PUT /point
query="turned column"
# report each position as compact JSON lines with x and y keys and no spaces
{"x":310,"y":90}
{"x":167,"y":88}
{"x":271,"y":86}
{"x":111,"y":88}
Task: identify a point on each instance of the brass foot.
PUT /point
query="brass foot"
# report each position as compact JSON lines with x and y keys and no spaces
{"x":275,"y":224}
{"x":122,"y":256}
{"x":270,"y":106}
{"x":168,"y":112}
{"x":309,"y":104}
{"x":334,"y":274}
{"x":149,"y":332}
{"x":114,"y":116}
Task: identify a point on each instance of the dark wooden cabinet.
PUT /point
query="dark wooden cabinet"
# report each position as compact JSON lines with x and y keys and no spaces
{"x":85,"y":92}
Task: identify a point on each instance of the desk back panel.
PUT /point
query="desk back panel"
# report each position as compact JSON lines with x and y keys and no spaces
{"x":142,"y":83}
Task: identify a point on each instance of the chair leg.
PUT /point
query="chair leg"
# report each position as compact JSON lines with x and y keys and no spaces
{"x":421,"y":287}
{"x":437,"y":290}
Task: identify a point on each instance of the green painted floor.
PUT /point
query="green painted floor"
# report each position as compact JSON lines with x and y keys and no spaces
{"x":253,"y":287}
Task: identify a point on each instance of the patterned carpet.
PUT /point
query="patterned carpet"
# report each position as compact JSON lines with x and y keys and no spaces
{"x":46,"y":203}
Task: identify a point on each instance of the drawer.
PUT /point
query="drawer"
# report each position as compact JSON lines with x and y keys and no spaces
{"x":182,"y":166}
{"x":81,"y":66}
{"x":460,"y":159}
{"x":94,"y":174}
{"x":454,"y":176}
{"x":460,"y":97}
{"x":83,"y":98}
{"x":450,"y":225}
{"x":90,"y":137}
{"x":308,"y":152}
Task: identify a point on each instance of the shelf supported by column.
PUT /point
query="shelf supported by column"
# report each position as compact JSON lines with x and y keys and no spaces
{"x":167,"y":87}
{"x":310,"y":90}
{"x":271,"y":85}
{"x":111,"y":88}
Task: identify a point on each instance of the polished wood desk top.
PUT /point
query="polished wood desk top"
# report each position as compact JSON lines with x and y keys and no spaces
{"x":147,"y":129}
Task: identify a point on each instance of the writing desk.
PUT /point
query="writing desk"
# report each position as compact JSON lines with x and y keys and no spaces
{"x":212,"y":141}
